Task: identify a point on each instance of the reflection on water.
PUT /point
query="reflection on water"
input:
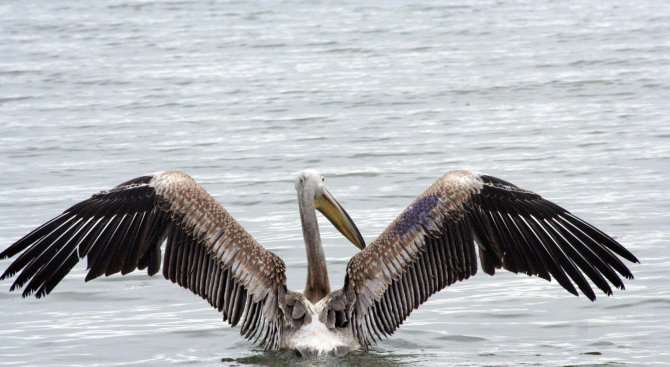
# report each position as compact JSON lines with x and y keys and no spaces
{"x":288,"y":358}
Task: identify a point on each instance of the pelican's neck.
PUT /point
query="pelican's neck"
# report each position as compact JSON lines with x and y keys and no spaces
{"x":318,"y":285}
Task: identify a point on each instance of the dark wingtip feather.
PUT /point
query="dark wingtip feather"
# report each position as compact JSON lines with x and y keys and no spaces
{"x":590,"y":295}
{"x":602,"y":237}
{"x":28,"y":239}
{"x":90,"y":276}
{"x":26,"y":293}
{"x":628,"y":255}
{"x":570,"y":288}
{"x":633,"y":259}
{"x":7,"y":274}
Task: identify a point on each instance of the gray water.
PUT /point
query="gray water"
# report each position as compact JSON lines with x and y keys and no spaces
{"x":570,"y":100}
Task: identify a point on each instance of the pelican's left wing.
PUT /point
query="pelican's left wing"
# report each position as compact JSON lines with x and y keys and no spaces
{"x":122,"y":229}
{"x":432,"y":245}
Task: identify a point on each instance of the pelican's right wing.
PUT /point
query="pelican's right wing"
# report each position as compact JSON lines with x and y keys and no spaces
{"x":122,"y":229}
{"x":432,"y":245}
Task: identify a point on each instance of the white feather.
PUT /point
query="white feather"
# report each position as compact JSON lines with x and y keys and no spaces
{"x":316,"y":336}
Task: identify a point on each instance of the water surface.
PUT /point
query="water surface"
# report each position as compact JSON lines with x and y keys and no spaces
{"x":568,"y":100}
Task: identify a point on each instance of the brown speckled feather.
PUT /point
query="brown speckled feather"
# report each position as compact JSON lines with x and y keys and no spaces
{"x":433,"y":244}
{"x":122,"y":229}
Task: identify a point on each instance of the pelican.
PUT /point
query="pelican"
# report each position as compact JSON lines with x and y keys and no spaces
{"x":433,"y":243}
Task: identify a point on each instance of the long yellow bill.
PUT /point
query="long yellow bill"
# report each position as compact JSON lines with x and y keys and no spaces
{"x":332,"y":210}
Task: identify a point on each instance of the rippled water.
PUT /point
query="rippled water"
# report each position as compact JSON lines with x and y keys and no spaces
{"x":568,"y":100}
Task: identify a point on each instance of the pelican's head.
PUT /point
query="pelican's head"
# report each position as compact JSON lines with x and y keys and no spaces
{"x":311,"y":183}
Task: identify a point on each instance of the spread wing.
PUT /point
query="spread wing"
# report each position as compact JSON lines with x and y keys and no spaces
{"x":434,"y":242}
{"x":122,"y":229}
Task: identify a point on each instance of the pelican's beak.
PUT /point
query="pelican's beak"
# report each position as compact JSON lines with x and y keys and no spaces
{"x":336,"y":214}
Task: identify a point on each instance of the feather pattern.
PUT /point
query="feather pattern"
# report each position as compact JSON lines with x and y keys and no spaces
{"x":434,"y":243}
{"x":122,"y":229}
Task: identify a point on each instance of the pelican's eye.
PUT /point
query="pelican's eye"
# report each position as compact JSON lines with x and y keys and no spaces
{"x":322,"y":179}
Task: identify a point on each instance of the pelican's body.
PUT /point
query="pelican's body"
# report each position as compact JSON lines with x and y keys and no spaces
{"x":315,"y":338}
{"x":434,"y":243}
